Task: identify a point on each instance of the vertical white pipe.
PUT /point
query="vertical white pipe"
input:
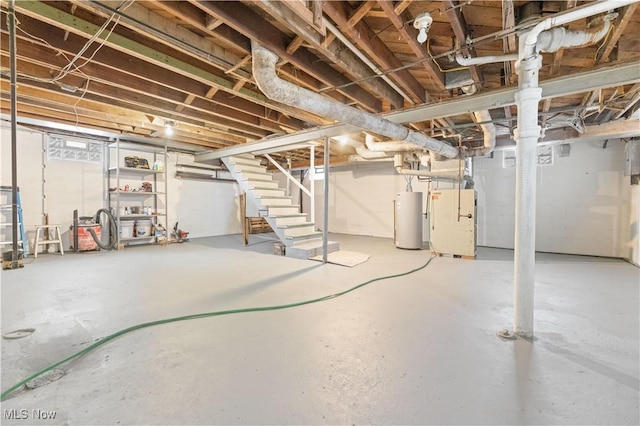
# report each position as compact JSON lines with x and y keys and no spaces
{"x":312,"y":183}
{"x":526,"y":135}
{"x":325,"y":204}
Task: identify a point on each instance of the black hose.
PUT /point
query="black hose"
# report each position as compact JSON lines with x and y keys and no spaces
{"x":113,"y":230}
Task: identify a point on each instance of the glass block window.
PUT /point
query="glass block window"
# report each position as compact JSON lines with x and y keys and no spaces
{"x":64,"y":148}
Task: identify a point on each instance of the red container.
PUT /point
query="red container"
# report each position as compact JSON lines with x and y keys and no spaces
{"x":85,"y":240}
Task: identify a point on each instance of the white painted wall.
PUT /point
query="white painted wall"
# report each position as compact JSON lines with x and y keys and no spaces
{"x":631,"y":250}
{"x":204,"y":208}
{"x":582,"y":206}
{"x":361,"y":198}
{"x":585,"y":204}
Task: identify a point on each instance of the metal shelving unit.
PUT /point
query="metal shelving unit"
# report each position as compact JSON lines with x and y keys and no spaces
{"x":126,"y":192}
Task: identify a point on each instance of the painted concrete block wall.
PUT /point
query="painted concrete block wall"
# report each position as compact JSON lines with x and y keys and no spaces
{"x":361,"y":199}
{"x":582,"y":205}
{"x":55,"y":189}
{"x":631,"y":250}
{"x":204,"y":208}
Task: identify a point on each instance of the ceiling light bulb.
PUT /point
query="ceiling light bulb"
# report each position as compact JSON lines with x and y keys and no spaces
{"x":422,"y":35}
{"x":168,"y":129}
{"x":422,"y":23}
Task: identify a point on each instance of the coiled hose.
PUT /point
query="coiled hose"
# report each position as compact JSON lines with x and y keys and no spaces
{"x":111,"y":337}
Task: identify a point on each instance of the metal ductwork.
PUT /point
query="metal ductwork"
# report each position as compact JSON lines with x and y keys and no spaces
{"x":393,"y":146}
{"x":398,"y":163}
{"x":489,"y":129}
{"x":277,"y":89}
{"x":365,"y":152}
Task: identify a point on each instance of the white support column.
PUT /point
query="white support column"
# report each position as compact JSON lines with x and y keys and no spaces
{"x":325,"y":203}
{"x":526,"y":135}
{"x":312,"y":182}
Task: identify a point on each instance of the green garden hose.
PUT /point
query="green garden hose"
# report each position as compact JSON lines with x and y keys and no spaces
{"x":198,"y":316}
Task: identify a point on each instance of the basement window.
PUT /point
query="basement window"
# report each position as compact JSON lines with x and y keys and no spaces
{"x":63,"y":148}
{"x":545,"y":156}
{"x":318,"y":173}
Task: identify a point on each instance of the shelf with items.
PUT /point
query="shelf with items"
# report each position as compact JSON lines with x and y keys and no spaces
{"x":137,"y":192}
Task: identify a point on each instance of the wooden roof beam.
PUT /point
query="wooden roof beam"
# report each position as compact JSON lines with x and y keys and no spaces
{"x":409,"y":34}
{"x":365,"y":39}
{"x":249,"y":23}
{"x":332,"y":49}
{"x":461,"y":31}
{"x":621,"y":22}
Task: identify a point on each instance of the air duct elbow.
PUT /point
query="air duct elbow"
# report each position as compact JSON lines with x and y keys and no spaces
{"x":394,"y":146}
{"x":277,"y":89}
{"x":489,"y":131}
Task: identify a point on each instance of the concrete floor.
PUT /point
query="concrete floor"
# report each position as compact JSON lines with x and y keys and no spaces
{"x":419,"y":349}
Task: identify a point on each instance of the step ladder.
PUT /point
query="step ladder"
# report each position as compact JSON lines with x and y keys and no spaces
{"x":6,"y":221}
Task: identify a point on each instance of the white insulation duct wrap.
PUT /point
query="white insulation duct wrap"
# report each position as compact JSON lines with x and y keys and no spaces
{"x":277,"y":89}
{"x":391,"y":147}
{"x":398,"y":163}
{"x":484,"y":118}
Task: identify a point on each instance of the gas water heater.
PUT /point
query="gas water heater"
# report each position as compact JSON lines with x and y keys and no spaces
{"x":408,"y":220}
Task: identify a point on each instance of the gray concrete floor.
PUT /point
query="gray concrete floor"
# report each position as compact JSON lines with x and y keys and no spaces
{"x":419,"y":349}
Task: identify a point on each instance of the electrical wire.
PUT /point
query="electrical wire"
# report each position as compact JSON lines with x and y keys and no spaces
{"x":122,"y":332}
{"x":437,"y":64}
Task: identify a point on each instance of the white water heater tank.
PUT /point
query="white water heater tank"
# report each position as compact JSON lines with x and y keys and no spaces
{"x":408,"y":220}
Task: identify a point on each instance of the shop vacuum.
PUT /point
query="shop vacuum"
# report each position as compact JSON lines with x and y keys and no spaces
{"x":86,"y":232}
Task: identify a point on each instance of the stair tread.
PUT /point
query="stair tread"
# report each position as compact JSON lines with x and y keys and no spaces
{"x":276,"y":197}
{"x":313,"y":244}
{"x":282,"y":216}
{"x":255,"y":173}
{"x":295,"y":225}
{"x":303,"y":236}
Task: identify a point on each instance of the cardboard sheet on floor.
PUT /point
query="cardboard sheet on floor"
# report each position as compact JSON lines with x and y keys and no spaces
{"x":344,"y":258}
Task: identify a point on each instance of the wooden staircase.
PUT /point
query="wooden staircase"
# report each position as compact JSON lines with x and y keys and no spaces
{"x":299,"y":236}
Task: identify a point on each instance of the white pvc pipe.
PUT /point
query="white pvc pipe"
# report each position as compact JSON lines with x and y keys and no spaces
{"x":557,"y":38}
{"x":275,"y":88}
{"x":467,"y":62}
{"x":364,"y":152}
{"x":591,"y":9}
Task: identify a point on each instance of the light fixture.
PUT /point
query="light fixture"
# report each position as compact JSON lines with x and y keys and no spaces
{"x":422,"y":23}
{"x":168,"y":128}
{"x":67,"y":87}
